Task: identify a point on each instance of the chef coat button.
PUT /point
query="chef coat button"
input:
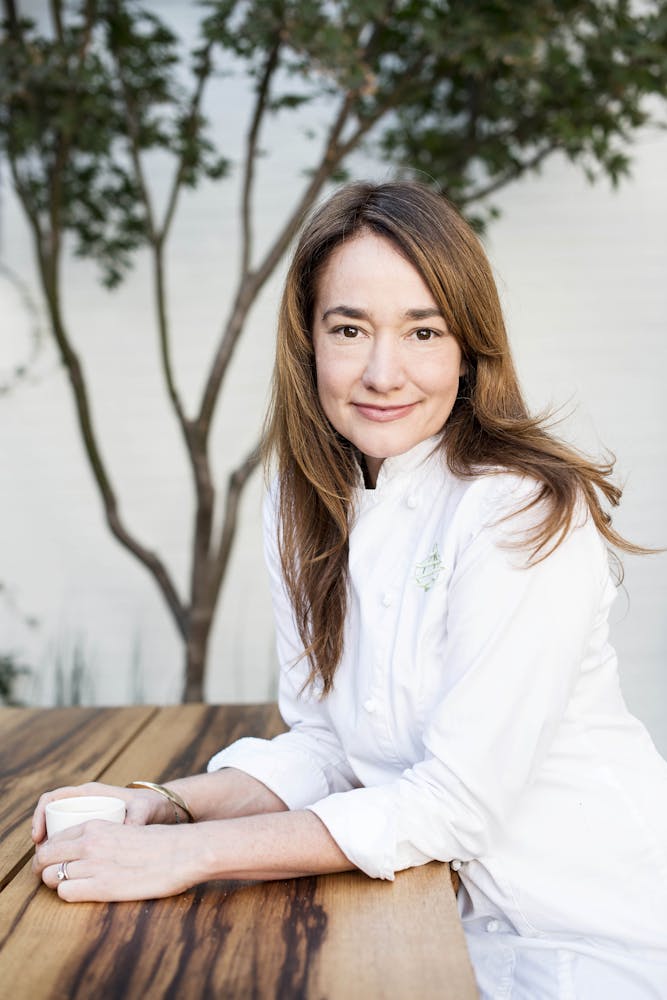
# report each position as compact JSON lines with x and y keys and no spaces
{"x":455,"y":864}
{"x":370,"y":704}
{"x":492,"y":926}
{"x":386,"y":599}
{"x":411,"y":502}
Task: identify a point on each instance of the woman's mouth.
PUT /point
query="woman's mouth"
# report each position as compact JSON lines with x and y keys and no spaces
{"x":383,"y":414}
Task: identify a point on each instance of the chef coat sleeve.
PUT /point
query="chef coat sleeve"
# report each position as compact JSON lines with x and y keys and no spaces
{"x":308,"y":762}
{"x":517,"y":639}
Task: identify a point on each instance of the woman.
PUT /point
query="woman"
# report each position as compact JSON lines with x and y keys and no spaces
{"x":441,"y":589}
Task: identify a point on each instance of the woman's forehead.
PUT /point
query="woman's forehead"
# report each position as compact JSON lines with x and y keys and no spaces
{"x":369,"y":268}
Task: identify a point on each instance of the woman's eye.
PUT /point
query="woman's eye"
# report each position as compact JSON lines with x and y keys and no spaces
{"x":425,"y":334}
{"x":349,"y":332}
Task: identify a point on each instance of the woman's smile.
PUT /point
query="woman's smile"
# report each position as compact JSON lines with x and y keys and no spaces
{"x":383,"y":414}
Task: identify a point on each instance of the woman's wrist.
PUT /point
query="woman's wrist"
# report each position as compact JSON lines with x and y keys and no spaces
{"x":225,"y":794}
{"x":160,"y":810}
{"x":180,"y":809}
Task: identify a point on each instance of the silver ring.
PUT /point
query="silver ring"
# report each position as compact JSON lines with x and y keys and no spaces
{"x":61,"y":874}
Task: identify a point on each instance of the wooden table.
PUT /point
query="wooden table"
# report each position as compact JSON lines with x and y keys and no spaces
{"x":335,"y":936}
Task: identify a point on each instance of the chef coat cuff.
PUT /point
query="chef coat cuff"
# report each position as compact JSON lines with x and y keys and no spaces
{"x":288,"y":770}
{"x":363,"y":824}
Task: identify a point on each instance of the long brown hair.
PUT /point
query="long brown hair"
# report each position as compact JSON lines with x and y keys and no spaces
{"x":489,"y":426}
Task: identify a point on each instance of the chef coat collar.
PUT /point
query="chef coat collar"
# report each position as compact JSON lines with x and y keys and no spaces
{"x":398,"y":468}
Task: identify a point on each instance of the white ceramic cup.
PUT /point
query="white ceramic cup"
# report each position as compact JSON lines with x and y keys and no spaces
{"x":71,"y":812}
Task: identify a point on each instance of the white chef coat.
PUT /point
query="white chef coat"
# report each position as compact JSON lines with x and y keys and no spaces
{"x":477,"y":718}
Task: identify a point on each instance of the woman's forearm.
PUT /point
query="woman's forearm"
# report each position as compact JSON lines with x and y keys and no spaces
{"x":268,"y":846}
{"x":225,"y":794}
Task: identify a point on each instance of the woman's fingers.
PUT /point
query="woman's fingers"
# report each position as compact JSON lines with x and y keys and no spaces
{"x":63,"y":846}
{"x":111,"y":861}
{"x":143,"y":805}
{"x":38,"y":831}
{"x":66,"y":792}
{"x":54,"y":875}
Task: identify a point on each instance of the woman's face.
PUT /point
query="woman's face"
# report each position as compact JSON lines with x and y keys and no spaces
{"x":387,"y":368}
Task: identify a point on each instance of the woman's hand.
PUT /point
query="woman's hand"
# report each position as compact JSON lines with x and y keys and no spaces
{"x":143,"y":805}
{"x":107,"y":862}
{"x":113,"y":861}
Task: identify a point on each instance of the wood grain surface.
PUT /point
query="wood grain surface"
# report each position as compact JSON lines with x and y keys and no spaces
{"x":336,"y":937}
{"x":180,"y":739}
{"x":45,"y":748}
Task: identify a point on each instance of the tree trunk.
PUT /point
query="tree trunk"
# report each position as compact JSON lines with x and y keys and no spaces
{"x":196,"y":647}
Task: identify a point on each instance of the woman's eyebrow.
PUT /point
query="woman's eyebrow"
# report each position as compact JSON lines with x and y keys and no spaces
{"x":351,"y":312}
{"x":428,"y":313}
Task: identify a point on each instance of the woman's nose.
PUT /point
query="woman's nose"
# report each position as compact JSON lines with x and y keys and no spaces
{"x":384,"y":367}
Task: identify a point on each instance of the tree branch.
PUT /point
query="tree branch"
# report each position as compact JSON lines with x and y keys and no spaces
{"x":195,"y":442}
{"x":134,"y":146}
{"x":177,"y":182}
{"x":163,"y":336}
{"x":156,"y":238}
{"x":516,"y":170}
{"x":11,"y":17}
{"x":21,"y":191}
{"x":158,"y":242}
{"x":235,"y":486}
{"x":251,"y":156}
{"x":56,"y":16}
{"x":87,"y":33}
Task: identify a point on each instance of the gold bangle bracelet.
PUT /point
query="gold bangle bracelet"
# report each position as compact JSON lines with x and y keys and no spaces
{"x":173,"y":797}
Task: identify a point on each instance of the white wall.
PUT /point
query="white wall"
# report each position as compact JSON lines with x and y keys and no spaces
{"x":582,"y":273}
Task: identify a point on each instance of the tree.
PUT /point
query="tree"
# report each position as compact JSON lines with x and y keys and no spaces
{"x":470,"y":92}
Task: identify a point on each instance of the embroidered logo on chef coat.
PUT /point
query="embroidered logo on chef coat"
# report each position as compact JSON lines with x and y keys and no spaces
{"x":428,"y":571}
